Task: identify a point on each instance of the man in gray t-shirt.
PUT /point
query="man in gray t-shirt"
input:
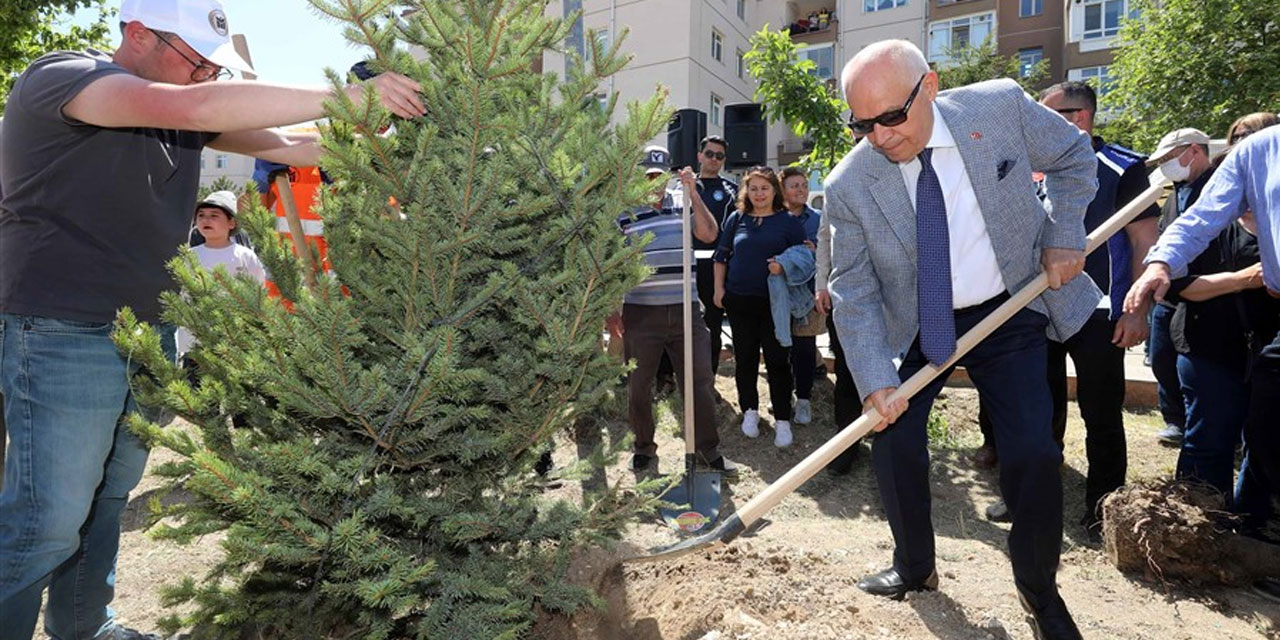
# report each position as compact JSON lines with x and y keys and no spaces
{"x":99,"y":167}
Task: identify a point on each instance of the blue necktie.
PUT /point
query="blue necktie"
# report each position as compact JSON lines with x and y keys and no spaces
{"x":933,"y":280}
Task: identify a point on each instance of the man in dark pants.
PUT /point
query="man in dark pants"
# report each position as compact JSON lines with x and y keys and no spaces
{"x":1098,"y":349}
{"x":1183,"y":156}
{"x":934,"y":223}
{"x":651,"y":322}
{"x":719,"y":195}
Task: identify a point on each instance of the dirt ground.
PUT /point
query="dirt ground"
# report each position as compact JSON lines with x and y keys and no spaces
{"x":794,"y":577}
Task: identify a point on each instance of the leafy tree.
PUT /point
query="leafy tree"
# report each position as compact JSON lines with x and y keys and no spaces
{"x":1195,"y":63}
{"x":968,"y":65}
{"x":792,"y":92}
{"x":32,"y":28}
{"x":377,"y":481}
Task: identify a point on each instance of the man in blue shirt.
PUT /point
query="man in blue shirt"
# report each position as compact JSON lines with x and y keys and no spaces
{"x":1247,"y":180}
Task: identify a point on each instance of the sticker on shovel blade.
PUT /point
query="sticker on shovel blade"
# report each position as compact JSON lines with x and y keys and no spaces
{"x":691,"y":521}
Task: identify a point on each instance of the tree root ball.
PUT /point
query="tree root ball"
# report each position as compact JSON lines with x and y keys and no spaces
{"x":1178,"y":531}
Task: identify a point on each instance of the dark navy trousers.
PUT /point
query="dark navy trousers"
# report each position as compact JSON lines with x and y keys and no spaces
{"x":1008,"y":370}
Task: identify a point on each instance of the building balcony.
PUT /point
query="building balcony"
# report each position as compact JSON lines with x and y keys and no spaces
{"x":813,"y":21}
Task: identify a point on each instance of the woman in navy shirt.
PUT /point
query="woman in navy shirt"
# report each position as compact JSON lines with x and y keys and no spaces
{"x":753,"y":235}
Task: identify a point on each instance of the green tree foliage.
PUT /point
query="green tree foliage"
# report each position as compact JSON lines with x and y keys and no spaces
{"x":377,"y":481}
{"x":32,"y":28}
{"x":221,"y":183}
{"x":1195,"y":63}
{"x":792,"y":92}
{"x":968,"y":65}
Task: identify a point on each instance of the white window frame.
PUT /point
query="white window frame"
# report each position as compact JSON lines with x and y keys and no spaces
{"x":1096,"y":39}
{"x":872,"y":6}
{"x":717,"y":105}
{"x":1036,"y":5}
{"x":959,"y":21}
{"x":826,"y":45}
{"x":742,"y":9}
{"x":1023,"y":67}
{"x":742,"y":63}
{"x":221,"y":161}
{"x":1101,"y":73}
{"x":717,"y":46}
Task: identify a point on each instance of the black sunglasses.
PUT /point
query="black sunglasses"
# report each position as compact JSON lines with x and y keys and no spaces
{"x":888,"y":118}
{"x":201,"y":71}
{"x":1069,"y":111}
{"x":718,"y":155}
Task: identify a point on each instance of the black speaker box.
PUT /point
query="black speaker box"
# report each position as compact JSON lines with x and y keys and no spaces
{"x":745,"y":131}
{"x":688,"y":127}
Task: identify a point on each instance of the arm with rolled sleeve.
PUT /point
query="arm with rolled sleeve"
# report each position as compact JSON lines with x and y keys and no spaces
{"x":855,"y":293}
{"x":1221,"y":202}
{"x":1065,"y":155}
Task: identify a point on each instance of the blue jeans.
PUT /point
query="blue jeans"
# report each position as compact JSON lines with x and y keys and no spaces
{"x":1217,"y":399}
{"x":69,"y":470}
{"x":1164,"y":366}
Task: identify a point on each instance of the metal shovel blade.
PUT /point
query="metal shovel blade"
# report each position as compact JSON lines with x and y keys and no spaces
{"x":695,"y":502}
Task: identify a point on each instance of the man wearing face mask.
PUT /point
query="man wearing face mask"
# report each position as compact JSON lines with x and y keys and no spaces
{"x":1183,"y":156}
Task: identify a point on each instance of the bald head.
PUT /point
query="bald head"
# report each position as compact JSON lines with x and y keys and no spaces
{"x":880,"y":82}
{"x":897,"y":57}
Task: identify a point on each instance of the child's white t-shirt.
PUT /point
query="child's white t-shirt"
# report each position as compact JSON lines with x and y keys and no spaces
{"x":237,"y":259}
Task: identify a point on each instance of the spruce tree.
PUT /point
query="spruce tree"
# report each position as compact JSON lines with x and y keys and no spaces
{"x":377,"y":481}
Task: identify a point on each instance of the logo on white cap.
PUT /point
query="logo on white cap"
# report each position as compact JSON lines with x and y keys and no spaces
{"x":218,"y":20}
{"x":657,"y":157}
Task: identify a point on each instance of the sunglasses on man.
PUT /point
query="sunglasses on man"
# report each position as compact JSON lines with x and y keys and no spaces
{"x":888,"y":118}
{"x":714,"y":155}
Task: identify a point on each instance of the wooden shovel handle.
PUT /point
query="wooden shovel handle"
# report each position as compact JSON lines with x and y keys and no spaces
{"x":295,"y":228}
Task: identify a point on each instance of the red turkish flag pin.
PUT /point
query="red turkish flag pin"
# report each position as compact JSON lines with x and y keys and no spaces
{"x":976,"y":135}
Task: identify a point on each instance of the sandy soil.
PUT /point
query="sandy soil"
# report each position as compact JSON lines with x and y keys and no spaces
{"x":794,"y":578}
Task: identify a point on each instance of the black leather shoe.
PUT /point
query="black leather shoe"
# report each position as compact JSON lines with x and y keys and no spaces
{"x":1052,"y":622}
{"x":889,"y":584}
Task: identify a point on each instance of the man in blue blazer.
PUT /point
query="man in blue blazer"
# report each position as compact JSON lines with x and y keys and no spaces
{"x":934,"y":221}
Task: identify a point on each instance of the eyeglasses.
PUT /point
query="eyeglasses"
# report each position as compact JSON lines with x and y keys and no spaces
{"x":717,"y":155}
{"x":202,"y":71}
{"x":888,"y":118}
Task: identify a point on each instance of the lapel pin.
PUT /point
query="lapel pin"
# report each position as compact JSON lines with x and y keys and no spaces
{"x":976,"y":135}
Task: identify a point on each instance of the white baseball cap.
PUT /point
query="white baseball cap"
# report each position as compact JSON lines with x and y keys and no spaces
{"x":202,"y":24}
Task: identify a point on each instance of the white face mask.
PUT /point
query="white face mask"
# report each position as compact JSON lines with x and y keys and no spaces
{"x":1174,"y":170}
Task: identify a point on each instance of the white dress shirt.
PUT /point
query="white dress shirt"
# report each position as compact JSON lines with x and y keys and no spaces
{"x":975,"y":274}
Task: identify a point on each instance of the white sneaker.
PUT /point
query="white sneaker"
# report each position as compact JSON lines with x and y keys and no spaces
{"x":782,"y":437}
{"x":751,"y":423}
{"x":803,"y":414}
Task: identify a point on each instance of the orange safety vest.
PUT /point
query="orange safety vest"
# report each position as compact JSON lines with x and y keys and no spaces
{"x":305,"y":183}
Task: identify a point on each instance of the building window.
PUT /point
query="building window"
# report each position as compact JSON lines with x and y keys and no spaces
{"x":716,"y":103}
{"x":742,"y":63}
{"x":1099,"y":76}
{"x":202,"y":162}
{"x":742,"y":9}
{"x":1102,"y":18}
{"x":220,"y":161}
{"x":717,"y":45}
{"x":946,"y":36}
{"x":1027,"y":8}
{"x":880,"y":5}
{"x":823,"y":57}
{"x":1028,"y":59}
